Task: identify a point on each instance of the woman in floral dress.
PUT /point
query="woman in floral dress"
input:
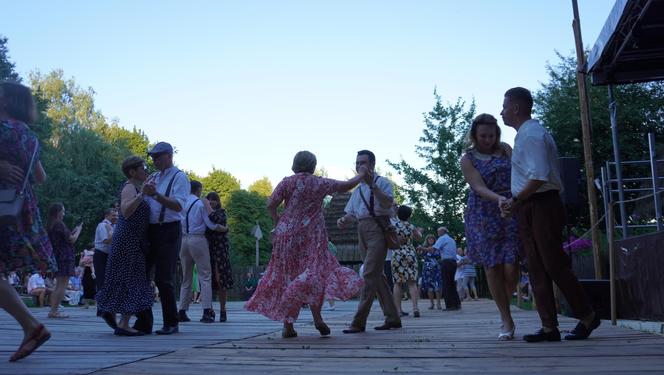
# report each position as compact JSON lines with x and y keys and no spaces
{"x":24,"y":245}
{"x":404,"y":260}
{"x":492,"y":239}
{"x":302,"y":270}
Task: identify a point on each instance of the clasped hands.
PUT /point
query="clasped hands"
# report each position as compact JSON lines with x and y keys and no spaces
{"x":506,"y":206}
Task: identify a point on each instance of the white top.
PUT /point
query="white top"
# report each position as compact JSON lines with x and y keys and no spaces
{"x":359,"y":210}
{"x":198,"y":217}
{"x":36,"y":281}
{"x":179,"y":191}
{"x":102,"y":234}
{"x":447,"y":246}
{"x":535,"y":157}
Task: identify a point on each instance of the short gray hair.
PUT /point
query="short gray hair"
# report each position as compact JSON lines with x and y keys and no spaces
{"x":442,"y":231}
{"x":304,"y":161}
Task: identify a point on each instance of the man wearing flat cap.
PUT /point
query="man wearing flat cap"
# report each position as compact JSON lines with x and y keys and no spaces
{"x":167,"y":192}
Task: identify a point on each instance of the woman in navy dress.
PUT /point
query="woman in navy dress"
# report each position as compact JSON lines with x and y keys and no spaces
{"x":127,"y":290}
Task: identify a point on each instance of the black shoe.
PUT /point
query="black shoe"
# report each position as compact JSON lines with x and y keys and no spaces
{"x":109,"y":318}
{"x":403,"y":313}
{"x":387,"y":326}
{"x":540,"y":335}
{"x":353,"y":329}
{"x":580,"y":332}
{"x":123,"y":332}
{"x":222,"y":316}
{"x":455,"y":308}
{"x":416,"y":313}
{"x":208,"y":316}
{"x":182,"y":316}
{"x":166,"y":330}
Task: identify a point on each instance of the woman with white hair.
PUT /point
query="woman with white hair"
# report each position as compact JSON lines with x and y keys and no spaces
{"x":302,"y":270}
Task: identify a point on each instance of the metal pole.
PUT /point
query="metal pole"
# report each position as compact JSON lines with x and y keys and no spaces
{"x":606,"y":191}
{"x":586,"y":135}
{"x":616,"y":157}
{"x":655,"y":180}
{"x":257,"y":252}
{"x":612,"y":266}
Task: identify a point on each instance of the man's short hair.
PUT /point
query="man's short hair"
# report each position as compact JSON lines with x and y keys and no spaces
{"x":521,"y":96}
{"x":195,"y":186}
{"x":372,"y":157}
{"x":442,"y":230}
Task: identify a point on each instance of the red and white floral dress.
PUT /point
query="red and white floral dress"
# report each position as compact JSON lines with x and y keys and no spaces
{"x":302,"y":269}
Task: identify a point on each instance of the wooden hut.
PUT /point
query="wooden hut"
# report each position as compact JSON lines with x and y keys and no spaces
{"x":345,"y":239}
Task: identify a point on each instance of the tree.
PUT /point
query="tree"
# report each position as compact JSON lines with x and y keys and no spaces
{"x":7,"y":71}
{"x":221,"y":182}
{"x":438,"y":191}
{"x":262,"y":187}
{"x":244,"y":210}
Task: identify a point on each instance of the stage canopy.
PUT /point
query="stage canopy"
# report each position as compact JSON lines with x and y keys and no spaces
{"x":630,"y":47}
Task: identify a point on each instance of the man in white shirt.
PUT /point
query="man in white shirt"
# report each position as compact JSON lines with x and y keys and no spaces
{"x":195,"y":249}
{"x":536,"y":187}
{"x":447,"y":247}
{"x":371,"y":205}
{"x":103,"y":239}
{"x":166,"y":192}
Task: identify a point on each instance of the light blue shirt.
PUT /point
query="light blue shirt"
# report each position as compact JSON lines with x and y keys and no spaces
{"x":447,"y":246}
{"x":179,"y":191}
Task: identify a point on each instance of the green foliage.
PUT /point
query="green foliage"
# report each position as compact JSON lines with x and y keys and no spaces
{"x":7,"y":71}
{"x":222,"y":182}
{"x":639,"y":110}
{"x":438,"y":191}
{"x":244,"y":209}
{"x":262,"y":187}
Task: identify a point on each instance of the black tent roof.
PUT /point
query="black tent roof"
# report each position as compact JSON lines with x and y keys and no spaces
{"x":630,"y":47}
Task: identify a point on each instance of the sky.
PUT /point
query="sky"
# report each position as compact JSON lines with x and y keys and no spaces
{"x":243,"y":85}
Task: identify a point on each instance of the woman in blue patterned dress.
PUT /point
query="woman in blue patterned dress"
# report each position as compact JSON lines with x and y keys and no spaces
{"x":127,"y":290}
{"x":431,"y":276}
{"x":492,"y":239}
{"x":24,"y":245}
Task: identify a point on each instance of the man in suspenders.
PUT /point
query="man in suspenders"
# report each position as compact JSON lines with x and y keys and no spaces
{"x":195,"y":250}
{"x":167,"y":190}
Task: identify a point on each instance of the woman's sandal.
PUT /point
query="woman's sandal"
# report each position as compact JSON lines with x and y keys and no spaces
{"x":323,"y":329}
{"x":506,"y":336}
{"x":39,"y":336}
{"x":57,"y":315}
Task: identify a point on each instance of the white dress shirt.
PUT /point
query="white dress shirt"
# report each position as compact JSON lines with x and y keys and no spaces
{"x":101,"y":235}
{"x":179,"y":191}
{"x":198,"y":217}
{"x":359,"y":210}
{"x":535,"y":157}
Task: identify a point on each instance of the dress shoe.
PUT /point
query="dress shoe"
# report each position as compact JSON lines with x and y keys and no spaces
{"x":208,"y":316}
{"x":540,"y":335}
{"x":388,"y":326}
{"x":581,"y":332}
{"x":109,"y":318}
{"x":123,"y":332}
{"x":403,"y":313}
{"x":222,"y":316}
{"x":182,"y":316}
{"x":166,"y":330}
{"x":416,"y":313}
{"x":353,"y":329}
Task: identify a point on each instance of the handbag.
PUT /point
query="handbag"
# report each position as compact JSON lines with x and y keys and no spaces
{"x":11,"y":201}
{"x":390,"y":231}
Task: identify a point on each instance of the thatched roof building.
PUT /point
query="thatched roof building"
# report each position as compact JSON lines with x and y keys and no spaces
{"x":344,"y":239}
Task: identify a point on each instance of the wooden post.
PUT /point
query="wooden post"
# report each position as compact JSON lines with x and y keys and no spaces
{"x":587,"y":146}
{"x":612,"y":261}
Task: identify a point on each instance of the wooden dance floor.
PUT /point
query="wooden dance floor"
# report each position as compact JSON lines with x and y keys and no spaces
{"x":460,"y":342}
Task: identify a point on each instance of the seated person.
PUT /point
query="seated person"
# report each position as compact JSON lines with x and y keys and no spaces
{"x":37,"y":287}
{"x":74,"y":291}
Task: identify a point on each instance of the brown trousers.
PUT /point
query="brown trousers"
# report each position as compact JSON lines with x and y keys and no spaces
{"x":374,"y":250}
{"x":541,"y":219}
